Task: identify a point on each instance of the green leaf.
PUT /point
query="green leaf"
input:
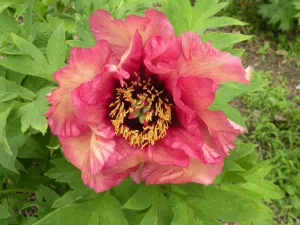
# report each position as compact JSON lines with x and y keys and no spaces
{"x":45,"y":197}
{"x":142,"y":199}
{"x":10,"y":90}
{"x":28,"y":66}
{"x":56,"y":49}
{"x":265,"y":188}
{"x":228,"y":206}
{"x":4,"y":213}
{"x":4,"y":146}
{"x":4,"y":5}
{"x":111,"y":211}
{"x":242,"y":150}
{"x":32,"y":114}
{"x":216,"y":22}
{"x":65,"y":172}
{"x":101,"y":210}
{"x":10,"y":141}
{"x":223,"y":40}
{"x":34,"y":52}
{"x":7,"y":23}
{"x":160,"y":212}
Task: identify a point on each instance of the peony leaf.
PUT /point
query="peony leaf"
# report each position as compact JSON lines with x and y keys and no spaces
{"x":142,"y":199}
{"x":224,"y":40}
{"x":105,"y":209}
{"x":11,"y":140}
{"x":10,"y":90}
{"x":228,"y":206}
{"x":4,"y":5}
{"x":28,"y":66}
{"x":160,"y":212}
{"x":4,"y":213}
{"x":32,"y":114}
{"x":34,"y":52}
{"x":216,"y":22}
{"x":56,"y":49}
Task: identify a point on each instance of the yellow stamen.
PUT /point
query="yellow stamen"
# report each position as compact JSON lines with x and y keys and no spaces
{"x":140,"y":101}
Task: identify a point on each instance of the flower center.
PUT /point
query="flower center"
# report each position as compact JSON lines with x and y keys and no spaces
{"x":140,"y":112}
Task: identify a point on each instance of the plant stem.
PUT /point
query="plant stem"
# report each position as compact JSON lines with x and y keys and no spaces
{"x":9,"y":191}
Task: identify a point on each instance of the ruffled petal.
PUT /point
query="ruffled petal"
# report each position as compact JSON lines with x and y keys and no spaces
{"x":160,"y":55}
{"x":76,"y":149}
{"x":119,"y":33}
{"x":190,"y":142}
{"x":220,"y":128}
{"x":88,"y":151}
{"x":132,"y":58}
{"x":124,"y":157}
{"x":164,"y":155}
{"x":195,"y":92}
{"x":201,"y":59}
{"x":92,"y":98}
{"x":101,"y":182}
{"x":211,"y":152}
{"x":84,"y":64}
{"x":196,"y":172}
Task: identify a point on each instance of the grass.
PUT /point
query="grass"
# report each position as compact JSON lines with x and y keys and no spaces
{"x":273,"y":119}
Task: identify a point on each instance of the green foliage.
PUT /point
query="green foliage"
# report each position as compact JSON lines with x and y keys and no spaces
{"x":273,"y":121}
{"x":39,"y":186}
{"x":279,"y":12}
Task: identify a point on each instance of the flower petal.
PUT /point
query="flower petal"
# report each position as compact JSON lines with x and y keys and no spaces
{"x":203,"y":60}
{"x":159,"y":26}
{"x":124,"y":157}
{"x":88,"y":150}
{"x":84,"y":64}
{"x":101,"y":182}
{"x":163,"y":155}
{"x":197,"y":93}
{"x":132,"y":58}
{"x":119,"y":33}
{"x":92,"y":99}
{"x":196,"y":172}
{"x":160,"y":55}
{"x":190,"y":143}
{"x":220,"y":128}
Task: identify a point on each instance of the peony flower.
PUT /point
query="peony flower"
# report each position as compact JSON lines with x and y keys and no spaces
{"x":136,"y":104}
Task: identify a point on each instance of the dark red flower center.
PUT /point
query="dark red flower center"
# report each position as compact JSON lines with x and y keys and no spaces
{"x":141,"y":112}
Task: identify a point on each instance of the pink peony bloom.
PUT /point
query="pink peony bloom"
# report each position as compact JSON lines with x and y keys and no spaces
{"x":136,"y":104}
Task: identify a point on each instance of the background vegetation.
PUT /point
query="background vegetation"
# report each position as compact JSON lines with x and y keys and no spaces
{"x":38,"y":186}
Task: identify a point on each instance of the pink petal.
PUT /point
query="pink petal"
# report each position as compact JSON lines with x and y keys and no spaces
{"x":100,"y":151}
{"x":119,"y":33}
{"x":220,"y":128}
{"x":212,"y":153}
{"x":203,"y":60}
{"x":190,"y":142}
{"x":88,"y":150}
{"x":159,"y":26}
{"x":160,"y":55}
{"x":163,"y":155}
{"x":248,"y":71}
{"x":92,"y":99}
{"x":101,"y":182}
{"x":84,"y":64}
{"x":196,"y":172}
{"x":124,"y":157}
{"x":132,"y":58}
{"x":196,"y":93}
{"x":76,"y":149}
